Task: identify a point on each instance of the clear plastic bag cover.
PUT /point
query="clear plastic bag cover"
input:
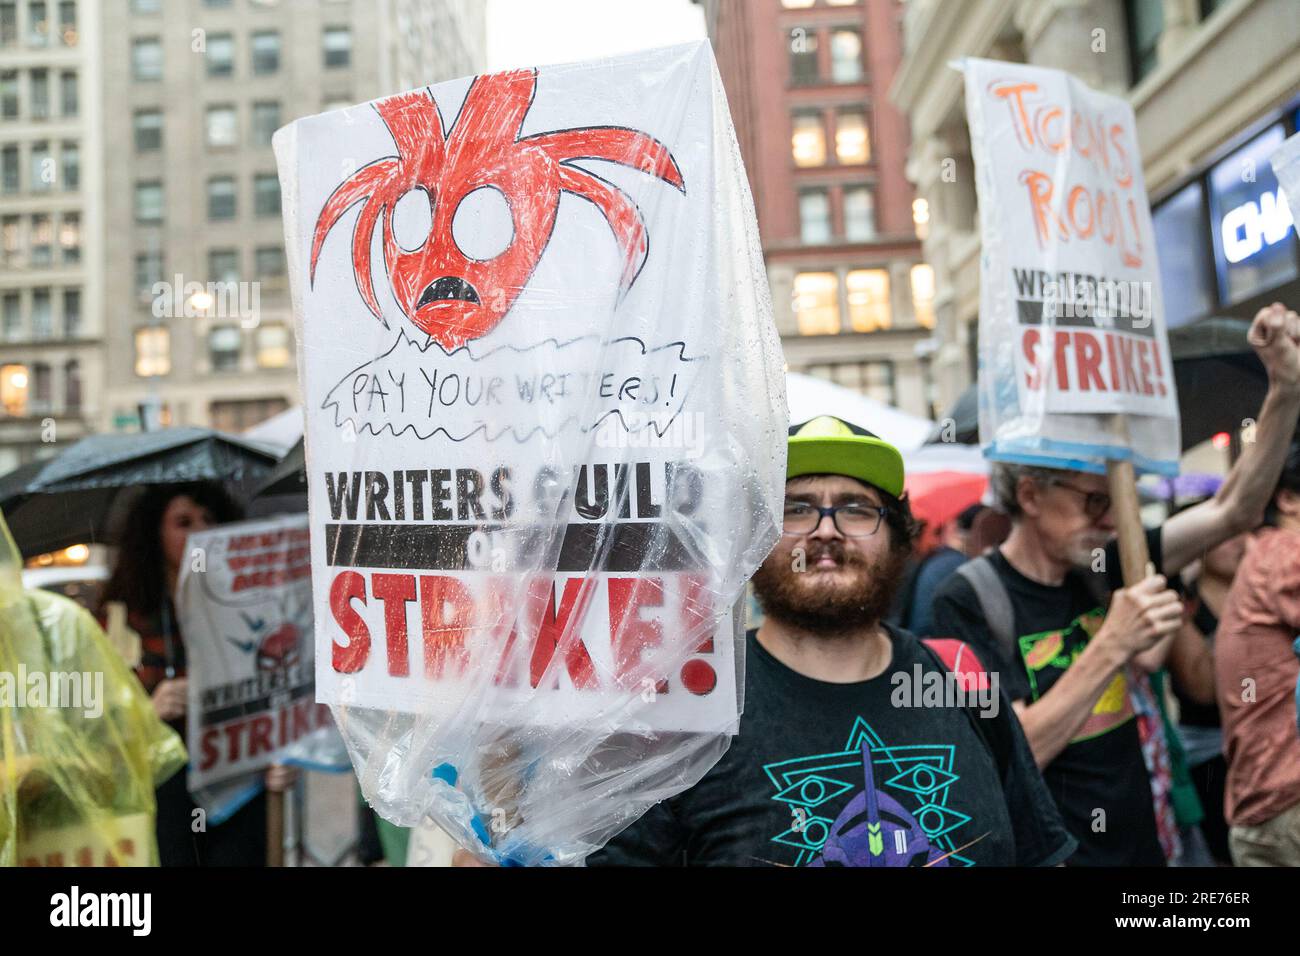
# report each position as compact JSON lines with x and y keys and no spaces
{"x":1075,"y":368}
{"x":1285,"y":161}
{"x":81,"y":749}
{"x":545,"y":440}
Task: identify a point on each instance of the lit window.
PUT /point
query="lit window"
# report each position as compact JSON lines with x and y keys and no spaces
{"x":859,"y":214}
{"x":808,"y":142}
{"x":921,"y":217}
{"x":869,"y":300}
{"x":815,"y":216}
{"x":223,"y":126}
{"x":13,"y":389}
{"x":68,"y":22}
{"x":816,"y":303}
{"x":38,"y":24}
{"x":42,"y":239}
{"x":797,"y":4}
{"x":846,"y":56}
{"x":852,"y":145}
{"x":70,"y":237}
{"x":923,"y":294}
{"x":273,"y":346}
{"x":152,"y":352}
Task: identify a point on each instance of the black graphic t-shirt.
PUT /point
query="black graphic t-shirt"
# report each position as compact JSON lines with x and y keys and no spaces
{"x":1100,"y":780}
{"x":843,"y":775}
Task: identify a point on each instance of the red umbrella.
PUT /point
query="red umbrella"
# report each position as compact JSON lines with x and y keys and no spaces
{"x":940,"y":496}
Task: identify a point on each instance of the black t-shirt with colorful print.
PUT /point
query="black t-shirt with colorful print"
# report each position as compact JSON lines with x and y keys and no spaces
{"x":869,"y":773}
{"x":1100,"y":780}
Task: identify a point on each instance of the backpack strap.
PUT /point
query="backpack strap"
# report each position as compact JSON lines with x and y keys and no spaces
{"x":994,"y":601}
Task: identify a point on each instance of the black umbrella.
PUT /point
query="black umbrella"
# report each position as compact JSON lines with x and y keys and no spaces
{"x":284,"y":489}
{"x":1221,"y":383}
{"x":79,"y":496}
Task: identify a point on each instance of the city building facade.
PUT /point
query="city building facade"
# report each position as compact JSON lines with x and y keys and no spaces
{"x":1214,"y":85}
{"x":826,"y":151}
{"x":51,"y":226}
{"x":198,"y":308}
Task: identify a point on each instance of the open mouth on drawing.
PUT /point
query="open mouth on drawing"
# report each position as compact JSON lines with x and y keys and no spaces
{"x":448,"y":289}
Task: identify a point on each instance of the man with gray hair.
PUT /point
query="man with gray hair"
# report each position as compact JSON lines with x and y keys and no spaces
{"x":1073,"y":647}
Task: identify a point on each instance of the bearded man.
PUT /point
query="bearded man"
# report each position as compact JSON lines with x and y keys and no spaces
{"x":858,"y":745}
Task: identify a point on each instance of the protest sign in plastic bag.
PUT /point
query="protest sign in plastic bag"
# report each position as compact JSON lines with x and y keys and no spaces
{"x":545,"y":440}
{"x":244,"y":602}
{"x":1075,"y":367}
{"x":81,"y":749}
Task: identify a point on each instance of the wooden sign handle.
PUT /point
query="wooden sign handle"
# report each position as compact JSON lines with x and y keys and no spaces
{"x":1133,"y":554}
{"x":274,"y":828}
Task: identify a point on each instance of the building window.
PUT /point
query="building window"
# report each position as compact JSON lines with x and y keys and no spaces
{"x":153,"y":352}
{"x":266,"y":53}
{"x":43,"y":174}
{"x":146,"y":7}
{"x":859,"y":214}
{"x":72,"y":313}
{"x":797,"y":4}
{"x":14,"y":383}
{"x":38,"y":23}
{"x":221,"y":55}
{"x":42,"y":390}
{"x":9,"y":169}
{"x":42,"y":240}
{"x":269,"y":261}
{"x":273,"y":346}
{"x":70,"y":237}
{"x":148,"y":127}
{"x":223,"y":265}
{"x":814,"y":216}
{"x":146,"y":59}
{"x":10,"y":239}
{"x":69,"y":102}
{"x":72,"y":385}
{"x":846,"y":56}
{"x":222,"y":126}
{"x":68,"y":22}
{"x":869,"y":300}
{"x":9,"y":95}
{"x":42,"y":315}
{"x":808,"y":142}
{"x":148,"y":202}
{"x":803,"y":57}
{"x":8,"y":24}
{"x":148,"y":271}
{"x":11,"y":313}
{"x":852,"y":143}
{"x":266,"y":120}
{"x":221,"y":197}
{"x":266,"y":194}
{"x":224,"y":342}
{"x":875,"y":380}
{"x":817,"y":303}
{"x":923,"y":294}
{"x":921,"y":217}
{"x":337,"y":42}
{"x":40,"y":94}
{"x":71,"y":153}
{"x":1146,"y":22}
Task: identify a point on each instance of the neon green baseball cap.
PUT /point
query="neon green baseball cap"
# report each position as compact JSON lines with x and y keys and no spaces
{"x":831,"y":446}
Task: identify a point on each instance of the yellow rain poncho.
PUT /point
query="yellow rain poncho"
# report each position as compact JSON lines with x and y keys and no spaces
{"x":81,"y":749}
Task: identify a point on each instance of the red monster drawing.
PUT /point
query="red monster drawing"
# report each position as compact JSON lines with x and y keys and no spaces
{"x":451,"y":296}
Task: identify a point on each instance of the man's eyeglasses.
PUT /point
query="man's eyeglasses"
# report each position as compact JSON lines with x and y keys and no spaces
{"x":852,"y":520}
{"x":1095,"y":503}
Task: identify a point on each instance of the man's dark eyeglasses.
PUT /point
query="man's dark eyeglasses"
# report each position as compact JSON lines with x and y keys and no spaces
{"x":852,"y":521}
{"x":1095,"y":503}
